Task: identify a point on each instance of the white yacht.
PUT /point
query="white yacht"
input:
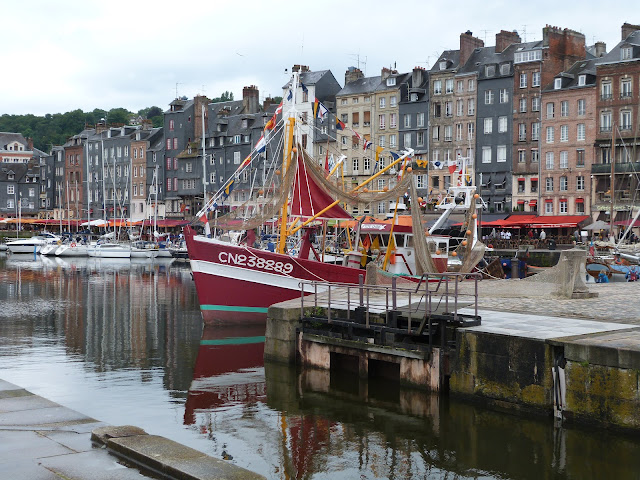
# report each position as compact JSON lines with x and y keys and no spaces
{"x":33,"y":244}
{"x":109,"y":250}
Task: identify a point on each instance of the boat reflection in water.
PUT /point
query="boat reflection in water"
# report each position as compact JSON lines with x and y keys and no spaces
{"x":292,"y":424}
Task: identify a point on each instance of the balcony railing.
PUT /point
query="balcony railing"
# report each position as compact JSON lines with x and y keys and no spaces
{"x":606,"y":96}
{"x":605,"y":168}
{"x":605,"y":129}
{"x":626,"y":94}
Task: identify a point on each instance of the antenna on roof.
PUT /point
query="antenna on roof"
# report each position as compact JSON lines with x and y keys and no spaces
{"x":363,"y":62}
{"x":485,"y":35}
{"x":524,"y":33}
{"x":177,"y":83}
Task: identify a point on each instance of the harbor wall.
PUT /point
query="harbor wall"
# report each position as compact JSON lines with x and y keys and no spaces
{"x":502,"y":370}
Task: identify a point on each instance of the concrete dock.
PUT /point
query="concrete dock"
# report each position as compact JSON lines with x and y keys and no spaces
{"x":575,"y":358}
{"x":42,"y":440}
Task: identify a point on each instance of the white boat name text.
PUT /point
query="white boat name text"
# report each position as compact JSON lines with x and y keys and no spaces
{"x":255,"y":262}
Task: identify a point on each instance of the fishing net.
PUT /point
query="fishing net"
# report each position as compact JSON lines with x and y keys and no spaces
{"x":424,"y":261}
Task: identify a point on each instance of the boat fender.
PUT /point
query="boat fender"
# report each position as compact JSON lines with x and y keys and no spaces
{"x":73,"y":244}
{"x":392,"y":257}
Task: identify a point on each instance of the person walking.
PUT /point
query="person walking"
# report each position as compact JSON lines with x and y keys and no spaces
{"x":543,"y":234}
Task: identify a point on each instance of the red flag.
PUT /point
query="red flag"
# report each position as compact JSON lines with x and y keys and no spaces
{"x":326,"y":161}
{"x":203,"y":218}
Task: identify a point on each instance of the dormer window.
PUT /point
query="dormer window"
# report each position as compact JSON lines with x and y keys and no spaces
{"x":244,"y":123}
{"x":582,"y":80}
{"x":414,"y":97}
{"x":11,"y":176}
{"x":504,"y":69}
{"x":443,"y":65}
{"x":557,"y":83}
{"x":626,"y":53}
{"x":490,"y":70}
{"x":391,"y":81}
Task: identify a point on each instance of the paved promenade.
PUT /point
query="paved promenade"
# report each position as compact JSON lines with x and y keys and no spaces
{"x":42,"y":440}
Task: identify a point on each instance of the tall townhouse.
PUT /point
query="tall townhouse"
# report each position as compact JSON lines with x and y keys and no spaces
{"x":535,"y":66}
{"x":140,"y":177}
{"x":386,"y":130}
{"x":45,"y":193}
{"x":19,"y":176}
{"x":355,"y":108}
{"x":568,"y":151}
{"x":494,"y":157}
{"x":321,"y":85}
{"x":452,"y":88}
{"x":73,"y":187}
{"x":58,"y":182}
{"x":155,"y":175}
{"x":178,"y":133}
{"x":414,"y":127}
{"x":618,"y":79}
{"x":234,"y":129}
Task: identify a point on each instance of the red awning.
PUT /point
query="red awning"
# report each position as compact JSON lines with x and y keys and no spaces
{"x":534,"y":179}
{"x":544,"y":221}
{"x":521,"y":179}
{"x":520,"y":202}
{"x":563,"y":199}
{"x":533,"y":203}
{"x":548,"y":200}
{"x":579,"y":200}
{"x":626,"y":223}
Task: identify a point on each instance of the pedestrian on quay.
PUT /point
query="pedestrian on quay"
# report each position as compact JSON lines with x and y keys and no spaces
{"x":543,"y":234}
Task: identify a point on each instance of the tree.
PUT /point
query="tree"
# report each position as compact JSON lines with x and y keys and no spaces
{"x":119,"y":115}
{"x":225,"y":97}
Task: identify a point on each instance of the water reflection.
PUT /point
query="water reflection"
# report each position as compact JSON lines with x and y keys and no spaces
{"x":123,"y":342}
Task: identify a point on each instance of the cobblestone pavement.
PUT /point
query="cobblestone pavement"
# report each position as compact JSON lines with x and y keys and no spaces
{"x":616,"y":302}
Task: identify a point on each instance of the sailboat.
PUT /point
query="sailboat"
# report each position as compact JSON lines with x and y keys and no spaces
{"x":238,"y":283}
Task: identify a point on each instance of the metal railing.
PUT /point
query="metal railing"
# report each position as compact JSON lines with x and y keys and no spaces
{"x":437,"y":295}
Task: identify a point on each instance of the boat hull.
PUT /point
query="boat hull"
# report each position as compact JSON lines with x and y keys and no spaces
{"x":238,"y":283}
{"x":24,"y":248}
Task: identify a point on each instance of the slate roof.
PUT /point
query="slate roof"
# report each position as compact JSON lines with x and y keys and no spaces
{"x":8,"y":137}
{"x":453,"y":59}
{"x":309,"y":78}
{"x":400,"y":78}
{"x":362,"y":85}
{"x":571,"y":76}
{"x":613,"y":56}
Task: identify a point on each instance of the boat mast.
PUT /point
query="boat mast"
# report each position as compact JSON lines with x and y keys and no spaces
{"x":286,"y":160}
{"x":204,"y":167}
{"x":613,"y":175}
{"x":88,"y":178}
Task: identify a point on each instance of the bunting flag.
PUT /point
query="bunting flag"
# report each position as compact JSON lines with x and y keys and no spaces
{"x":437,"y":164}
{"x":290,"y":95}
{"x":339,"y":125}
{"x":271,"y":123}
{"x":319,"y":110}
{"x":261,"y":145}
{"x":367,"y":144}
{"x":422,"y":163}
{"x":326,"y":162}
{"x":182,"y":208}
{"x":304,"y":87}
{"x":452,"y":165}
{"x":378,"y":152}
{"x":245,"y":162}
{"x":279,"y":109}
{"x":228,"y":189}
{"x":203,"y":218}
{"x":356,"y":134}
{"x":395,"y":155}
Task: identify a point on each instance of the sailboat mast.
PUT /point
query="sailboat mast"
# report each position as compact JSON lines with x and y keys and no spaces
{"x":286,"y":160}
{"x":204,"y":166}
{"x":613,"y":175}
{"x":88,"y":178}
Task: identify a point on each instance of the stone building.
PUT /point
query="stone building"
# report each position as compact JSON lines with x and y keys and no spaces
{"x":617,"y":137}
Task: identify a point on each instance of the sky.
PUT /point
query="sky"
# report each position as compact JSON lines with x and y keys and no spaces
{"x":60,"y":56}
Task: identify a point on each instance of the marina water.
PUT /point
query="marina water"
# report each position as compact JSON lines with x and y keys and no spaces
{"x":122,"y":341}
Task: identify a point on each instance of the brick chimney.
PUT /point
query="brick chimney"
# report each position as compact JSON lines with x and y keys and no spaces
{"x":506,"y":38}
{"x":250,"y":99}
{"x":300,"y":68}
{"x":468,"y":43}
{"x":600,"y":49}
{"x":267,"y":103}
{"x":352,"y":74}
{"x":30,"y":144}
{"x":564,"y":48}
{"x":199,"y":102}
{"x":628,"y":29}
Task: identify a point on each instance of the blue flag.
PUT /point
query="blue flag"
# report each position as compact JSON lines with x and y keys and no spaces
{"x":290,"y":95}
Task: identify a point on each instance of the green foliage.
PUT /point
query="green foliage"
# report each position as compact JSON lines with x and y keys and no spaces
{"x":225,"y":97}
{"x":55,"y":129}
{"x":277,"y":100}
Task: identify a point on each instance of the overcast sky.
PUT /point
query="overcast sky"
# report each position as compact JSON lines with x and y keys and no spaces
{"x":59,"y":56}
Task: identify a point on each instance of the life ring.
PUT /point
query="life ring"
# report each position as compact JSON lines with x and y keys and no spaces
{"x":73,"y":244}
